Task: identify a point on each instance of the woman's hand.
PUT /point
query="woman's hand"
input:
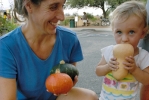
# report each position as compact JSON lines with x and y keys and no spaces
{"x":130,"y":65}
{"x":113,"y":64}
{"x":75,"y":80}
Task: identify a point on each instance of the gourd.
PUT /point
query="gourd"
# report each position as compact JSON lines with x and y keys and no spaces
{"x":59,"y":83}
{"x":121,"y":51}
{"x":69,"y":69}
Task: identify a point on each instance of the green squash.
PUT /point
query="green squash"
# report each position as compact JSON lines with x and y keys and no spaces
{"x":63,"y":67}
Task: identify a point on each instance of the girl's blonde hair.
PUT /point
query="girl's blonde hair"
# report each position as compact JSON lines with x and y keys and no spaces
{"x":126,"y":9}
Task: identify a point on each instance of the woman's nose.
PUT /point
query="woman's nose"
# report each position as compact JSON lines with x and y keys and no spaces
{"x":60,"y":15}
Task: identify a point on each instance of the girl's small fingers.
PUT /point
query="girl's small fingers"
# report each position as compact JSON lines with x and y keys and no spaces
{"x":128,"y":63}
{"x":113,"y":67}
{"x":113,"y":62}
{"x":128,"y":68}
{"x":130,"y":59}
{"x":113,"y":59}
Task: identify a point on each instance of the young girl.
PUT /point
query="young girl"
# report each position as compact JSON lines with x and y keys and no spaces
{"x":128,"y":26}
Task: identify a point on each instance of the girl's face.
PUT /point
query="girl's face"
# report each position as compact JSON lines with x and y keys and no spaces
{"x":129,"y":31}
{"x":44,"y":18}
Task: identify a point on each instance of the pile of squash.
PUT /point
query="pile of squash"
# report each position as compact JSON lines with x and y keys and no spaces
{"x":61,"y":78}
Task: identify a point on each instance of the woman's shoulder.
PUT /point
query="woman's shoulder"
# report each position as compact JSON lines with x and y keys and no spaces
{"x":11,"y":37}
{"x":11,"y":34}
{"x":65,"y":30}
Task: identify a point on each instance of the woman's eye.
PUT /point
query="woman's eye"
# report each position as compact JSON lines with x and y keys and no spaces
{"x":131,"y":32}
{"x":53,"y":7}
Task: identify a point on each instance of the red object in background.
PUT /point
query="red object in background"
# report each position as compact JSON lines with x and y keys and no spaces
{"x":144,"y":92}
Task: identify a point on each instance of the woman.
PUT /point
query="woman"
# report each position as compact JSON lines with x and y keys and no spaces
{"x":28,"y":53}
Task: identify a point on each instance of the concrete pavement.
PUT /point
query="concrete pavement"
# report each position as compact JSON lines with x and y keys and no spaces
{"x":96,"y":28}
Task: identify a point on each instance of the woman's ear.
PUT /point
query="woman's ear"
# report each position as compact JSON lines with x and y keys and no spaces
{"x":28,"y":6}
{"x":145,"y":30}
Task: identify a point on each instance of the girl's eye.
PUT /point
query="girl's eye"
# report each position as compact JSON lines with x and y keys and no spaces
{"x":119,"y":32}
{"x":131,"y":32}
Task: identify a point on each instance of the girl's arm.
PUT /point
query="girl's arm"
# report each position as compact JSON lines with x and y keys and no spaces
{"x":103,"y":67}
{"x":7,"y":89}
{"x":142,"y":75}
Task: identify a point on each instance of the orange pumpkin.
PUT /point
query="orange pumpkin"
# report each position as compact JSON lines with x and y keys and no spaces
{"x":59,"y":83}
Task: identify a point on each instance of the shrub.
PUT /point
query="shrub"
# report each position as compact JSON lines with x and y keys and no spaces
{"x":6,"y":26}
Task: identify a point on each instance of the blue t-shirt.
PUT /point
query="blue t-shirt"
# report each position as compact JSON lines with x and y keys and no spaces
{"x":18,"y":61}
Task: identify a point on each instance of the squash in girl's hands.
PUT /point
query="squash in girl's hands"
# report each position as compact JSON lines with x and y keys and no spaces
{"x":59,"y":83}
{"x":121,"y":51}
{"x":69,"y":69}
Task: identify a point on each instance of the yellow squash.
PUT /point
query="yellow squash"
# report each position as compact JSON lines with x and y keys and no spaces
{"x":121,"y":51}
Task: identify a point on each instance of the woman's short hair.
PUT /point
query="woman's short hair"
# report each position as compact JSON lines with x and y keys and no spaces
{"x":19,"y":7}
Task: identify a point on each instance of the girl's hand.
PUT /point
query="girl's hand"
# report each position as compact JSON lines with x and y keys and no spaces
{"x":130,"y":65}
{"x":113,"y":64}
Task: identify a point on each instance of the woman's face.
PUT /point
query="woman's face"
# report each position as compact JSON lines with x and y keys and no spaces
{"x":45,"y":17}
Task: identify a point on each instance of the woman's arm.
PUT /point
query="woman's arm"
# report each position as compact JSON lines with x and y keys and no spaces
{"x":7,"y":89}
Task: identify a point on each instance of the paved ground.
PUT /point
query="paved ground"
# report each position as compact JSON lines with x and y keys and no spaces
{"x":97,"y":28}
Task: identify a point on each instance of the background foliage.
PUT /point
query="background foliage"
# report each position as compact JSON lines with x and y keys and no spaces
{"x":6,"y":26}
{"x":106,"y":5}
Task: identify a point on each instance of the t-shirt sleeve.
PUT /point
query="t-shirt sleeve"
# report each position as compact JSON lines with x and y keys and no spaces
{"x":7,"y":62}
{"x":143,"y":59}
{"x":76,"y":54}
{"x":107,"y":52}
